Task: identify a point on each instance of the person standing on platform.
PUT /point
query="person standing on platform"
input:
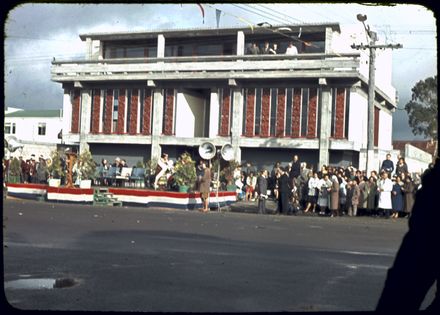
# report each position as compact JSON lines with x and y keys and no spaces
{"x":387,"y":165}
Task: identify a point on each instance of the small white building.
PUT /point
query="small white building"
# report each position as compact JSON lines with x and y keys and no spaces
{"x":37,"y":130}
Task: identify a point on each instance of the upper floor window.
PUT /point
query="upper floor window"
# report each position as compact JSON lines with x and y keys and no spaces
{"x":130,"y":50}
{"x":10,"y":128}
{"x":41,"y":129}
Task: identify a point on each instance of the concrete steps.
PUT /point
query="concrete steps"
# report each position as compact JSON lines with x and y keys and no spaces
{"x":102,"y":197}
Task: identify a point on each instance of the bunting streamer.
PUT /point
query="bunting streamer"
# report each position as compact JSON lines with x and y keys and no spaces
{"x":251,"y":25}
{"x":247,"y":22}
{"x":218,"y":13}
{"x":203,"y":12}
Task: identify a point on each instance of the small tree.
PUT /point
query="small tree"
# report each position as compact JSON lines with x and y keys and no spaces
{"x":185,"y":170}
{"x":14,"y":167}
{"x":55,"y":168}
{"x":86,"y":165}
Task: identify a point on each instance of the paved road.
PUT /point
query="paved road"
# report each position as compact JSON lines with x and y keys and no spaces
{"x":138,"y":259}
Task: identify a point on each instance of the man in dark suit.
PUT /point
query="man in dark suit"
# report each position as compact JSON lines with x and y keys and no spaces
{"x":296,"y":167}
{"x":262,"y":191}
{"x":387,"y":165}
{"x":284,"y":189}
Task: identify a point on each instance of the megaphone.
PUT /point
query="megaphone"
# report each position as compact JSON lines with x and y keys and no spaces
{"x":227,"y":152}
{"x":207,"y":150}
{"x":13,"y":144}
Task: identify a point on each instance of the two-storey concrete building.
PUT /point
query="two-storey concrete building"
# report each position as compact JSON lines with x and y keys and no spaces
{"x":138,"y":94}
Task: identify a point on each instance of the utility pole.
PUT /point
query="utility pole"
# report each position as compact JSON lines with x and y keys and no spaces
{"x":371,"y":86}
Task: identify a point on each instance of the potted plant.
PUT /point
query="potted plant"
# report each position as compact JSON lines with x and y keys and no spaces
{"x":150,"y":171}
{"x":185,"y":172}
{"x":55,"y":169}
{"x":14,"y":171}
{"x":86,"y":169}
{"x":228,"y":174}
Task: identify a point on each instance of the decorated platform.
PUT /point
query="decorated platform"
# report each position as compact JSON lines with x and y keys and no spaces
{"x":128,"y":196}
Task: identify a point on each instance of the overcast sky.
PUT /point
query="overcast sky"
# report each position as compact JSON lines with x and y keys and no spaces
{"x":35,"y":33}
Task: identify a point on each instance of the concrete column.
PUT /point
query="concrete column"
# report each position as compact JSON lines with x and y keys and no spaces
{"x":328,"y":40}
{"x":240,"y":43}
{"x":160,"y":46}
{"x":84,"y":129}
{"x":67,"y":111}
{"x":89,"y":48}
{"x":324,"y":134}
{"x":156,"y":131}
{"x":237,"y":122}
{"x":214,"y":114}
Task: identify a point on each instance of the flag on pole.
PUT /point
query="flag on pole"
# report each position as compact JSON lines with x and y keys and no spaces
{"x":203,"y":12}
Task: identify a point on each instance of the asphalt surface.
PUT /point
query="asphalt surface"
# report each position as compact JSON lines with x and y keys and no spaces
{"x":162,"y":260}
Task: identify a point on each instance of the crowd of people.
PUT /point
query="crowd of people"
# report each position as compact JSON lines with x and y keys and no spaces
{"x":332,"y":191}
{"x":30,"y":170}
{"x":267,"y":49}
{"x":297,"y":187}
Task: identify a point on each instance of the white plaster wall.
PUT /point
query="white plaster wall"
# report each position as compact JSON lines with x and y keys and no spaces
{"x":37,"y":149}
{"x":385,"y":130}
{"x":189,"y":115}
{"x":27,"y":129}
{"x":355,"y":34}
{"x":358,"y":120}
{"x":214,"y":114}
{"x":67,"y":113}
{"x":416,"y":159}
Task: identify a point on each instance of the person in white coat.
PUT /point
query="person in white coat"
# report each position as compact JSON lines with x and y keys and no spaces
{"x":385,"y":186}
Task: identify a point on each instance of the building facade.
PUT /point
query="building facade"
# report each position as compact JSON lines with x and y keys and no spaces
{"x":138,"y":94}
{"x":37,"y":130}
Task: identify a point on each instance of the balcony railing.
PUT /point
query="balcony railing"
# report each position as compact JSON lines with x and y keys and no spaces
{"x":197,"y":67}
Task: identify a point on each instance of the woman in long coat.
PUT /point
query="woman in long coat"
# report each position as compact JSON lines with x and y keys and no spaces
{"x":355,"y":198}
{"x":372,"y":191}
{"x":409,"y":191}
{"x":334,"y":196}
{"x":363,"y":197}
{"x":397,"y":198}
{"x":205,"y":184}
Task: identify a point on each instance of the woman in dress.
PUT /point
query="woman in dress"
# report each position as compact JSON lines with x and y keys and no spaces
{"x":312,"y":192}
{"x":397,"y":197}
{"x":324,"y":190}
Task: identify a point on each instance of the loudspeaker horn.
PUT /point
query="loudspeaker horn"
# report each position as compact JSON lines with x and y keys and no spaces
{"x":227,"y":152}
{"x":207,"y":150}
{"x":13,"y":144}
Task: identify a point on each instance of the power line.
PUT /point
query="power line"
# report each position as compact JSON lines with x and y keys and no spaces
{"x":256,"y":13}
{"x":279,"y":13}
{"x":36,"y":38}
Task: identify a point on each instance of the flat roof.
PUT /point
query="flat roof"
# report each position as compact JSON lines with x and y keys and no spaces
{"x":200,"y":32}
{"x":36,"y":113}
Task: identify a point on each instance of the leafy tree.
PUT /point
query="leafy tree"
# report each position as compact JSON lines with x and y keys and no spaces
{"x":423,"y":107}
